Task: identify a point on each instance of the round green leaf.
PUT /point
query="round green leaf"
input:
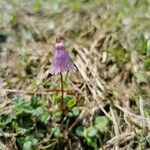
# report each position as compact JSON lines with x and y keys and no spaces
{"x":27,"y":145}
{"x":74,"y":112}
{"x":56,"y":131}
{"x":70,"y":114}
{"x":92,"y":131}
{"x":79,"y":131}
{"x":101,"y":122}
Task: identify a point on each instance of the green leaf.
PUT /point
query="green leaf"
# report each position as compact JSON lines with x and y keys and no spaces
{"x":140,"y":78}
{"x":56,"y":131}
{"x":70,"y":114}
{"x":147,"y":63}
{"x":45,"y":118}
{"x":36,"y":102}
{"x":92,"y":132}
{"x":5,"y":119}
{"x":27,"y":145}
{"x":101,"y":122}
{"x":57,"y":113}
{"x":74,"y":112}
{"x":20,"y":131}
{"x":57,"y":98}
{"x":34,"y":141}
{"x":21,"y":107}
{"x":80,"y":131}
{"x":23,"y":110}
{"x":41,"y":114}
{"x":71,"y":103}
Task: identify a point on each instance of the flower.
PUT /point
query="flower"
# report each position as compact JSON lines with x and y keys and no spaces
{"x":61,"y":60}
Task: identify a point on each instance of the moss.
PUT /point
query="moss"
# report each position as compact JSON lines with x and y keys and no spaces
{"x":119,"y":55}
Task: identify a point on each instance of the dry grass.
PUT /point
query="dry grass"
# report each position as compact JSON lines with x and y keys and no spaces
{"x":100,"y":37}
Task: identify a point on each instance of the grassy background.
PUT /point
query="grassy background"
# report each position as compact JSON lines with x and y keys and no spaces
{"x":107,"y":97}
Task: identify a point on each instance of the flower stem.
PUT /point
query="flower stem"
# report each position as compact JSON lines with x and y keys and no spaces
{"x":62,"y":92}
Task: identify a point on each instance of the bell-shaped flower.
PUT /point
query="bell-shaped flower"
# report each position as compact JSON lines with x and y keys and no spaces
{"x":61,"y":60}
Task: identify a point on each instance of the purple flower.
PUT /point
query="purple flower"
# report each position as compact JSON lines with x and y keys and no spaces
{"x":61,"y":60}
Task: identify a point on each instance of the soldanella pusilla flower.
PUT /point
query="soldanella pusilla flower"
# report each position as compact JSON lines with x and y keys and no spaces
{"x":61,"y":62}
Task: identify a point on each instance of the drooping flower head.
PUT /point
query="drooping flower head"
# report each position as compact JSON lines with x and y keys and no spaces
{"x":61,"y":60}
